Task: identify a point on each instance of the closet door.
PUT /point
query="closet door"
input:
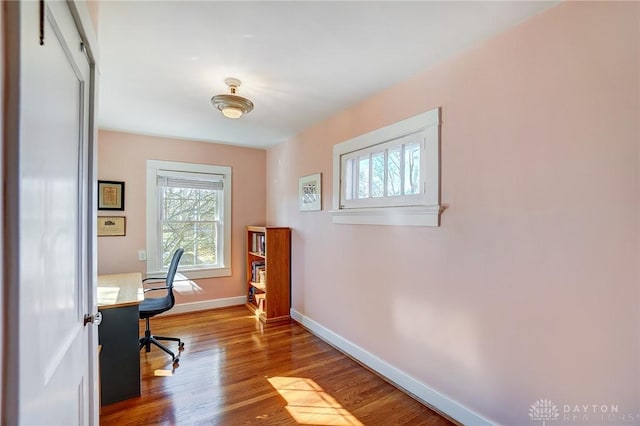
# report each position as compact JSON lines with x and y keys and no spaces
{"x":49,"y":188}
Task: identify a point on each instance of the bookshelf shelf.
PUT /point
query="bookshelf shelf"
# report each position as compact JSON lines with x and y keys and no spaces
{"x":259,"y":286}
{"x":269,"y":272}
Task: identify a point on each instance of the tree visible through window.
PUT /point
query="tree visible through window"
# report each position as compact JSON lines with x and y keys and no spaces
{"x":189,"y":207}
{"x":190,"y":220}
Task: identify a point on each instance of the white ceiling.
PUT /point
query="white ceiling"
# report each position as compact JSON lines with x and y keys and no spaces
{"x":300,"y":62}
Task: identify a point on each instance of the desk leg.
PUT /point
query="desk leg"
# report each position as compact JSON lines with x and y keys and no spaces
{"x":120,"y":358}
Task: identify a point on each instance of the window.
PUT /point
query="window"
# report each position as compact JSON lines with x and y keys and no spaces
{"x":189,"y":206}
{"x":390,"y":176}
{"x":387,"y":174}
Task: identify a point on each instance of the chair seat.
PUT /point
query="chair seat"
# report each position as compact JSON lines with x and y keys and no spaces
{"x":153,"y":306}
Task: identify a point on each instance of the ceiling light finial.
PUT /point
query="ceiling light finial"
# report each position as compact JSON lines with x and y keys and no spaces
{"x":233,"y":105}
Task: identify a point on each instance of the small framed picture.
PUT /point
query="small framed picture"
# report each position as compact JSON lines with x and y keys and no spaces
{"x":110,"y":195}
{"x":310,"y":192}
{"x":112,"y":226}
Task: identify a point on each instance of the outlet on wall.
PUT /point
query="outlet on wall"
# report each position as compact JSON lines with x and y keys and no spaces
{"x":142,"y":255}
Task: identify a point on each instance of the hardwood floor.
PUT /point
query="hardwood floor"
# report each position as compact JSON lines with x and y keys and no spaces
{"x":235,"y":371}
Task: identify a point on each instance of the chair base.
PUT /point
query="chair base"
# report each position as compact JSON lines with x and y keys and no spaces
{"x":148,"y":340}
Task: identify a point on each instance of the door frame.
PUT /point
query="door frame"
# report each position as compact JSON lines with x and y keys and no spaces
{"x":9,"y":211}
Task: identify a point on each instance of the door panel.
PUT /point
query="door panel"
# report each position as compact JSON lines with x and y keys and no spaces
{"x":54,"y":102}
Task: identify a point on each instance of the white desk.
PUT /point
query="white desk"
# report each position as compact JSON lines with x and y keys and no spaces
{"x":118,"y":298}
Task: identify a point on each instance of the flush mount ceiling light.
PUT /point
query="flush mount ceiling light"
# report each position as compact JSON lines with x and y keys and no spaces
{"x":232,"y":106}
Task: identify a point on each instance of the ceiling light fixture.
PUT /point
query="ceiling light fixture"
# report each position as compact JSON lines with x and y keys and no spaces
{"x":232,"y":106}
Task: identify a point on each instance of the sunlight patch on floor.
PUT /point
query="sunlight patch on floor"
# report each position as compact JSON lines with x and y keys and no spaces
{"x":163,"y":373}
{"x":309,"y":404}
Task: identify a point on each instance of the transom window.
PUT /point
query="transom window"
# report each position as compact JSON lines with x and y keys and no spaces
{"x":188,"y":207}
{"x":390,"y":176}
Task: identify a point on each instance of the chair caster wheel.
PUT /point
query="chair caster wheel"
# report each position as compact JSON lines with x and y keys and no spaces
{"x":181,"y":347}
{"x":176,"y":363}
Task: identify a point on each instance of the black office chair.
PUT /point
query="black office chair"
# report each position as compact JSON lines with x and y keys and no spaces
{"x":154,"y":306}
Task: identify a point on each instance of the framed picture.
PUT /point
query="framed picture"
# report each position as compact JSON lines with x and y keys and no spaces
{"x":112,"y":226}
{"x":310,"y":192}
{"x":110,"y":195}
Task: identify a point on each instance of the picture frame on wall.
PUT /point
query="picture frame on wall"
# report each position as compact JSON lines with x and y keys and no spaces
{"x":110,"y":195}
{"x":310,"y":192}
{"x":112,"y":226}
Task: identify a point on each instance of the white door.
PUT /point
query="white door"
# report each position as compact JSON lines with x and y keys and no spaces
{"x":55,"y":384}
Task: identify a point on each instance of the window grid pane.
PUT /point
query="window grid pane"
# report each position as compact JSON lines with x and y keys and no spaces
{"x":350,"y":174}
{"x":411,"y":169}
{"x":393,"y":172}
{"x":363,"y":177}
{"x":377,"y":174}
{"x":198,"y":239}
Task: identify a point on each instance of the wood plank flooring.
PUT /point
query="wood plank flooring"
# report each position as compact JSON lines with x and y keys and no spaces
{"x":236,"y":371}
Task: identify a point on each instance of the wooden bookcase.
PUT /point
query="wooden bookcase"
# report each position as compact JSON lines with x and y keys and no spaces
{"x":269,"y":250}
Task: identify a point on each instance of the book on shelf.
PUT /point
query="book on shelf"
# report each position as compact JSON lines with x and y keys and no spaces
{"x":261,"y":301}
{"x":256,"y":267}
{"x":260,"y":274}
{"x":258,"y":243}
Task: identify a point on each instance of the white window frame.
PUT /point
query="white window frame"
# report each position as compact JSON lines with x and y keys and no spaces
{"x":415,"y":210}
{"x":154,"y":262}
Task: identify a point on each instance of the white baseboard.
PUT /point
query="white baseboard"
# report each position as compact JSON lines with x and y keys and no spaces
{"x":184,"y":308}
{"x":418,"y":390}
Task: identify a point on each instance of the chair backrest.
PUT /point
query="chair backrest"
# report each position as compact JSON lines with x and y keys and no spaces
{"x":173,"y":267}
{"x":171,"y":273}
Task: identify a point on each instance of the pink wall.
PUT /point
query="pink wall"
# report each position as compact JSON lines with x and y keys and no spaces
{"x":123,"y":157}
{"x":94,"y":12}
{"x":530,"y":288}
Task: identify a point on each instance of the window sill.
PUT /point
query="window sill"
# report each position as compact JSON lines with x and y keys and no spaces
{"x":194,"y":274}
{"x":396,"y":216}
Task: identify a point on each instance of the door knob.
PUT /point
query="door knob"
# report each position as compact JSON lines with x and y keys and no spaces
{"x":93,"y":319}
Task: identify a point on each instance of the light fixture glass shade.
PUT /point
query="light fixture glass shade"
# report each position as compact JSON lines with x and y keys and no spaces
{"x":231,"y":112}
{"x":232,"y":105}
